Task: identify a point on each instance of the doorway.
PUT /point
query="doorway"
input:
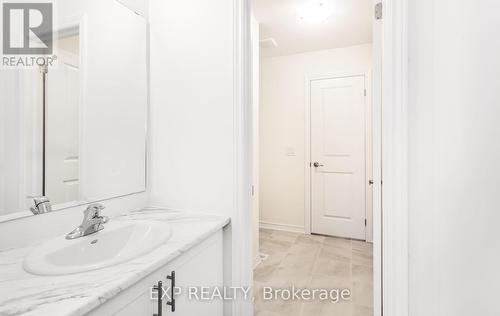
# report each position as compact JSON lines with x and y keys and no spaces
{"x":312,"y":108}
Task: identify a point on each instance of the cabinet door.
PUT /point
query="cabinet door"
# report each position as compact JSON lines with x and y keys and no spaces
{"x":200,"y":267}
{"x":141,"y":306}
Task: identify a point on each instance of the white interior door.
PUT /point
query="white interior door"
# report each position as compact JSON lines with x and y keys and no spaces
{"x":62,"y":116}
{"x":338,"y":155}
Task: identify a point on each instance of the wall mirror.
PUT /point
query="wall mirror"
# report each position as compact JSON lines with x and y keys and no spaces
{"x":75,"y":131}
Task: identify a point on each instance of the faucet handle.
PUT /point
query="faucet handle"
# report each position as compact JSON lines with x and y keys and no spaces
{"x":93,"y":211}
{"x":42,"y":205}
{"x":39,"y":199}
{"x":92,"y":222}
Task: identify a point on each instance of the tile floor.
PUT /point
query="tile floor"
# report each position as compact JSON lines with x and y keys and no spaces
{"x":309,"y":261}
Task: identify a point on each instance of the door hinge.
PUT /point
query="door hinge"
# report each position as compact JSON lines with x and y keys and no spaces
{"x":253,"y":190}
{"x":366,"y":222}
{"x":365,"y":92}
{"x":379,"y":11}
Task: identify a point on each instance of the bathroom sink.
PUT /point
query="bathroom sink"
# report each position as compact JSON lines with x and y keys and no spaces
{"x":118,"y":242}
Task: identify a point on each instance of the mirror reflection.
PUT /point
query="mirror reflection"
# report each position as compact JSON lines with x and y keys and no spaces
{"x":75,"y":132}
{"x":61,"y":87}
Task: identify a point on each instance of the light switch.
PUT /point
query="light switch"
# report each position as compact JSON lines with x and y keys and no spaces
{"x":290,"y":151}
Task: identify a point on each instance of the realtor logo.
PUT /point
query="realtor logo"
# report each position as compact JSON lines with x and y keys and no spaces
{"x":27,"y":28}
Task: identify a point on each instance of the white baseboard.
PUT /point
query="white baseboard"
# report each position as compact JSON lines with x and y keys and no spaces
{"x":282,"y":227}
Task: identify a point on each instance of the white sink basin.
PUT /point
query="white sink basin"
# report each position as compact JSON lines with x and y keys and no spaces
{"x":118,"y":242}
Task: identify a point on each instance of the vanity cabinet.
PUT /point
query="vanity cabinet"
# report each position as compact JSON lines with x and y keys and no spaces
{"x":201,"y":266}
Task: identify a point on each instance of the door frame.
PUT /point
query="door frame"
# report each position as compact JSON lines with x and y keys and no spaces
{"x":307,"y":146}
{"x":390,"y":252}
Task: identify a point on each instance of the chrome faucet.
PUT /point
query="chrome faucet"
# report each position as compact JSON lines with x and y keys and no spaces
{"x":42,"y":205}
{"x":92,"y":222}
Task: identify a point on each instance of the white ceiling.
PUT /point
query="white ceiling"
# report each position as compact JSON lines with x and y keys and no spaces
{"x":350,"y":24}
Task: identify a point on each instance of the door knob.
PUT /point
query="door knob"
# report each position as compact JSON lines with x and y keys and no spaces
{"x":317,"y":165}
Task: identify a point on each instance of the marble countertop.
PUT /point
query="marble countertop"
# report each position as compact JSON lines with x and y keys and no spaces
{"x":22,"y":293}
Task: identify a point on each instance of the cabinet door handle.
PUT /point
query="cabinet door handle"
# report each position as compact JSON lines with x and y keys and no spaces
{"x":159,"y":288}
{"x":171,"y":277}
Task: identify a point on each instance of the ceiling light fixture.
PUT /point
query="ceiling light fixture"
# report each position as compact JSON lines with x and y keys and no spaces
{"x":315,"y":11}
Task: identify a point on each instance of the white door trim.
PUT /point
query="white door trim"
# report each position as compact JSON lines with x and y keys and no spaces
{"x":240,"y":233}
{"x":393,"y":238}
{"x":377,"y":163}
{"x":307,"y":139}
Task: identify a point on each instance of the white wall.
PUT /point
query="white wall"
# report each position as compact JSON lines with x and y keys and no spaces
{"x":192,"y":117}
{"x":282,"y":118}
{"x":454,"y":150}
{"x":197,"y":143}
